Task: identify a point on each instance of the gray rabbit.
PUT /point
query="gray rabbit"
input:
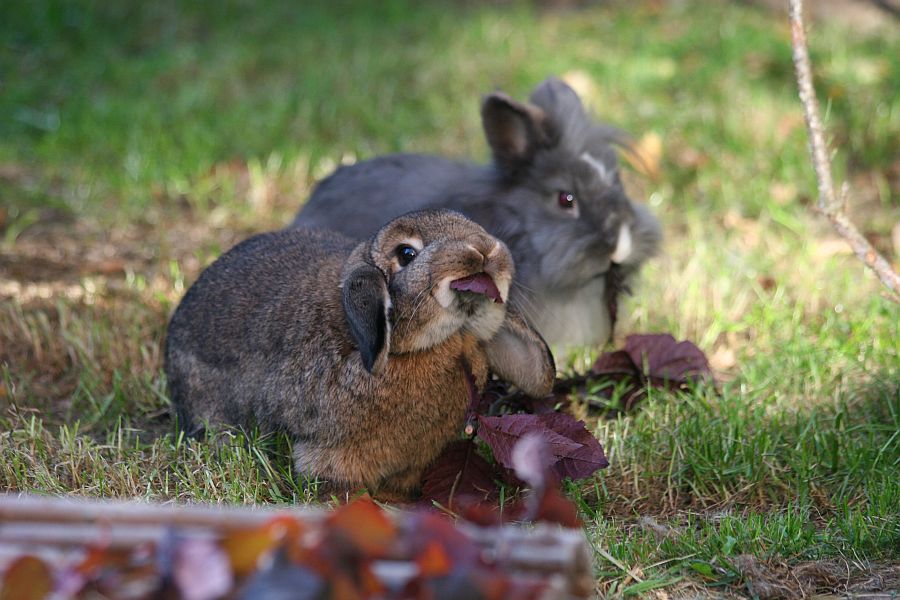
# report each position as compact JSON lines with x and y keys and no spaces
{"x":553,"y":195}
{"x":358,"y":350}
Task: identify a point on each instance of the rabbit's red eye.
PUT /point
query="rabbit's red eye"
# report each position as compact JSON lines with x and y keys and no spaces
{"x":566,"y":200}
{"x":405,"y":254}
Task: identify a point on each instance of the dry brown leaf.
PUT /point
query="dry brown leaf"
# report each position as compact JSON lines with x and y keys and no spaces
{"x":787,"y":124}
{"x":783,"y":193}
{"x":832,"y":247}
{"x":583,"y":84}
{"x":647,"y":155}
{"x":691,"y":158}
{"x":723,"y":359}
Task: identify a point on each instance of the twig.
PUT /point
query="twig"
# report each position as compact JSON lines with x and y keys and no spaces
{"x":46,"y":509}
{"x":831,"y":205}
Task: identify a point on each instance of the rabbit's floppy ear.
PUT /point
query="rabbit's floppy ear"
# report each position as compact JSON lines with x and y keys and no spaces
{"x":514,"y":130}
{"x":518,"y":354}
{"x":366,"y":302}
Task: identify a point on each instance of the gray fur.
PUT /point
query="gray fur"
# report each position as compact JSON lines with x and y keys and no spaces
{"x":562,"y":261}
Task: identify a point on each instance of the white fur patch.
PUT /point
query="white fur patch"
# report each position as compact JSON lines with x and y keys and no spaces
{"x":388,"y":305}
{"x":623,"y":246}
{"x":438,"y":330}
{"x":382,"y":358}
{"x":605,"y":174}
{"x":484,"y":324}
{"x":487,"y":321}
{"x":442,"y":293}
{"x":415,"y":242}
{"x":503,"y":286}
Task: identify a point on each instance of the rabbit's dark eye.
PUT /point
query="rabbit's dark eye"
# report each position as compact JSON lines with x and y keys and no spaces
{"x":405,"y":254}
{"x":566,"y":200}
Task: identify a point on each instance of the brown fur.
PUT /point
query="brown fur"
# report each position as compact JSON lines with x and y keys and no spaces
{"x":278,"y":331}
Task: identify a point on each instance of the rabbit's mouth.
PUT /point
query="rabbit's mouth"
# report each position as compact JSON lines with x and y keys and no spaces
{"x":480,"y":284}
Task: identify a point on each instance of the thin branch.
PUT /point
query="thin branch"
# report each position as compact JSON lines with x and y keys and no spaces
{"x":831,"y":205}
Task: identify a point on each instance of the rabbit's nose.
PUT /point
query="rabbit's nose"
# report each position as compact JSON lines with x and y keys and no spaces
{"x":476,"y":250}
{"x":488,"y":247}
{"x":474,"y":257}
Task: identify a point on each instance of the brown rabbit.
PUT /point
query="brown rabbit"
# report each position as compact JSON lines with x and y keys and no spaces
{"x":356,"y":350}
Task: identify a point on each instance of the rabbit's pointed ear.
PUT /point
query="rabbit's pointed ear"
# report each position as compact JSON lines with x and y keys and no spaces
{"x":514,"y":130}
{"x":518,"y":354}
{"x":557,"y":98}
{"x":366,"y":302}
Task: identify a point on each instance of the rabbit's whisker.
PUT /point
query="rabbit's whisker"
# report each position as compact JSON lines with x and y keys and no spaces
{"x":526,"y":297}
{"x":418,"y":301}
{"x":531,"y":308}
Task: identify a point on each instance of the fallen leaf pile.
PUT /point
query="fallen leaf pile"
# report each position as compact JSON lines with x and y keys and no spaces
{"x":652,"y":360}
{"x":499,"y":418}
{"x":357,"y":551}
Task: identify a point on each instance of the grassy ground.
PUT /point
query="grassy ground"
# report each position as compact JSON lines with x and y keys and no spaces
{"x":140,"y":140}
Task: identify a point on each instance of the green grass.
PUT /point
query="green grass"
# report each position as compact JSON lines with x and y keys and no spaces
{"x":138,"y":141}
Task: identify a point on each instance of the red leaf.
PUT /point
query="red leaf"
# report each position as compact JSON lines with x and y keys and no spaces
{"x":433,"y":560}
{"x":651,"y":359}
{"x":544,"y":501}
{"x":531,"y":460}
{"x":245,"y":547}
{"x":365,"y":525}
{"x":355,"y":534}
{"x":429,"y":527}
{"x":573,"y":451}
{"x":659,"y":356}
{"x":502,"y":433}
{"x":459,"y":472}
{"x":614,"y":363}
{"x":587,"y":458}
{"x":97,"y":558}
{"x":484,"y":514}
{"x":556,"y":508}
{"x":27,"y":578}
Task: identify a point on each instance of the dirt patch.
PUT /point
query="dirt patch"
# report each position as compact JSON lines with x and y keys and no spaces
{"x":81,"y":305}
{"x":822,"y":578}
